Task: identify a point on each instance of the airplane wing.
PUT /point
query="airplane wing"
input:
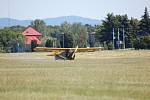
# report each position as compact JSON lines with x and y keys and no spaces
{"x":46,"y":49}
{"x":65,"y":53}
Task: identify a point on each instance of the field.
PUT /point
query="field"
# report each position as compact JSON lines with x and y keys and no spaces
{"x":103,"y":75}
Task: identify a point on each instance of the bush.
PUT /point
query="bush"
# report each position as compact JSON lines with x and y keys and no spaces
{"x":108,"y":46}
{"x":33,"y":44}
{"x":9,"y":39}
{"x":49,"y":43}
{"x":142,"y":43}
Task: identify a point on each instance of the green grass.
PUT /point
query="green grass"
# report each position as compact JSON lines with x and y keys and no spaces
{"x":104,"y":75}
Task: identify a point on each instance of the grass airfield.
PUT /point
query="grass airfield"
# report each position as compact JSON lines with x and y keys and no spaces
{"x":103,"y":75}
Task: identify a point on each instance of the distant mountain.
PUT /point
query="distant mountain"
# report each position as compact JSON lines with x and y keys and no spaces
{"x":4,"y":22}
{"x":71,"y":19}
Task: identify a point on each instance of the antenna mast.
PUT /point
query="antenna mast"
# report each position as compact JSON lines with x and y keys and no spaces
{"x":118,"y":42}
{"x":113,"y":39}
{"x":123,"y":39}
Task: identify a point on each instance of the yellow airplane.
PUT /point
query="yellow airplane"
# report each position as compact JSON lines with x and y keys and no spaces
{"x":65,"y":53}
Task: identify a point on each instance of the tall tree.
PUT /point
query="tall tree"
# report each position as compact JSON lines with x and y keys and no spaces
{"x":90,"y":28}
{"x":40,"y":26}
{"x":132,"y":32}
{"x":145,"y":23}
{"x":75,"y":32}
{"x":68,"y":40}
{"x":104,"y":32}
{"x":66,"y":37}
{"x":80,"y":34}
{"x":126,"y":26}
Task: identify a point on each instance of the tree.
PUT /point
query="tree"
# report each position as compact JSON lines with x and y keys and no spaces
{"x":33,"y":45}
{"x":104,"y":31}
{"x":40,"y":26}
{"x":131,"y":32}
{"x":49,"y":43}
{"x":145,"y":23}
{"x":68,"y":40}
{"x":17,"y":29}
{"x":90,"y":28}
{"x":76,"y":34}
{"x":10,"y":41}
{"x":66,"y":37}
{"x":80,"y":35}
{"x":142,"y":42}
{"x":107,"y":25}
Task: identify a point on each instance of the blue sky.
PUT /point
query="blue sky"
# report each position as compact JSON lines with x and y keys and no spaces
{"x":96,"y":9}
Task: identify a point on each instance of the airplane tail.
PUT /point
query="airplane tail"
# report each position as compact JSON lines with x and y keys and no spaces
{"x":73,"y":54}
{"x":67,"y":55}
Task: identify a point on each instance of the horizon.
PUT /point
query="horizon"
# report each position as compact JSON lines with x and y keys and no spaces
{"x":49,"y":21}
{"x":93,"y":9}
{"x":52,"y":17}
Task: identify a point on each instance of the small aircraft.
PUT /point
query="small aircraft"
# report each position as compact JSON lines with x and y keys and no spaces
{"x":65,"y":53}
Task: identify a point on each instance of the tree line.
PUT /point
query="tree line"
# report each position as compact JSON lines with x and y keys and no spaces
{"x":136,"y":33}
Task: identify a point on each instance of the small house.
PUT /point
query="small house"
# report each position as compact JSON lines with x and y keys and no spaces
{"x":30,"y":35}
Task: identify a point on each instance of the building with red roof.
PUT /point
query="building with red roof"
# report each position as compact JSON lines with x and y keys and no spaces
{"x":31,"y":35}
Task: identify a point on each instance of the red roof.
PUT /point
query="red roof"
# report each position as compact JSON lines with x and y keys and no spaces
{"x":30,"y":38}
{"x":31,"y":32}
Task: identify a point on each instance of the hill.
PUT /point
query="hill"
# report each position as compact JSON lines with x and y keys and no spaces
{"x":4,"y":22}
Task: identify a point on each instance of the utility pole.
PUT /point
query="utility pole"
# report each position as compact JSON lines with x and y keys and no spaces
{"x":63,"y":39}
{"x":123,"y":39}
{"x":118,"y":42}
{"x":113,"y":39}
